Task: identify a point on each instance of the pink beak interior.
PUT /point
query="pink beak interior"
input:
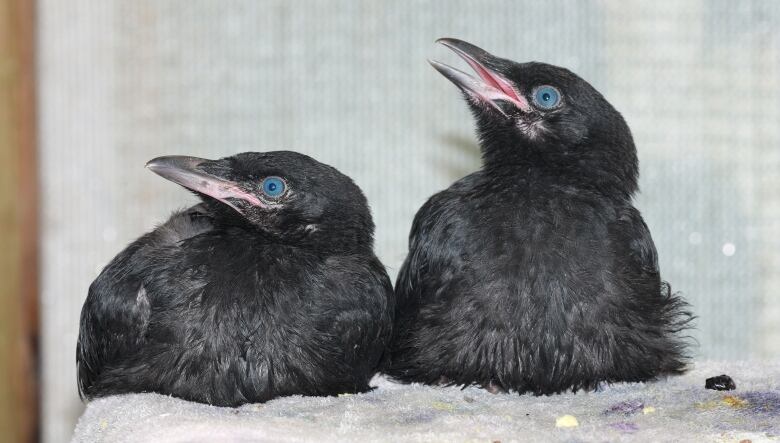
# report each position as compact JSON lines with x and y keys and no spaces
{"x":490,"y":86}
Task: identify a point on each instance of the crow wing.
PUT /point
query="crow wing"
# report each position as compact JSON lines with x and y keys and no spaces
{"x":116,"y":312}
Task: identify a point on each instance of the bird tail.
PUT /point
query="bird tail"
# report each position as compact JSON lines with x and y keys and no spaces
{"x":677,"y":319}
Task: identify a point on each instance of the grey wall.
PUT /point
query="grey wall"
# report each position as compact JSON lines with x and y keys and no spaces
{"x":347,"y":82}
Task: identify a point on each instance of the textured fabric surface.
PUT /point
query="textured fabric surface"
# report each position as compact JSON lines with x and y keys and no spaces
{"x":346,"y":81}
{"x":675,"y":409}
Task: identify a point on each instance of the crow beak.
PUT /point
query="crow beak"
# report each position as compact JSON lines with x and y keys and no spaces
{"x":187,"y":172}
{"x":490,"y":87}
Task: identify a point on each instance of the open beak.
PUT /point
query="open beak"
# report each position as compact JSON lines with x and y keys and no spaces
{"x":188,"y":172}
{"x":490,"y":87}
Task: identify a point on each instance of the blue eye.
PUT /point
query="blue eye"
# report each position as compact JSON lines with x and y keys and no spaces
{"x":547,"y":97}
{"x":273,"y":186}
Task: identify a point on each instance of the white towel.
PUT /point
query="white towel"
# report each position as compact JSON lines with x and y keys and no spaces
{"x":677,"y":408}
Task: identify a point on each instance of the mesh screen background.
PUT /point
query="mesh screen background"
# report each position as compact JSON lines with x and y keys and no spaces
{"x":347,"y":82}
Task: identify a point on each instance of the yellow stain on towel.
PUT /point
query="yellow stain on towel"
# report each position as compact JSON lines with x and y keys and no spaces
{"x":566,"y":421}
{"x":731,"y":401}
{"x":734,"y":401}
{"x":648,"y":410}
{"x":103,"y":424}
{"x":441,"y":406}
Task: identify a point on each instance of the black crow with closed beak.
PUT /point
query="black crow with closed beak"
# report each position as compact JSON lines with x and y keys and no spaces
{"x":268,"y":288}
{"x":535,"y":273}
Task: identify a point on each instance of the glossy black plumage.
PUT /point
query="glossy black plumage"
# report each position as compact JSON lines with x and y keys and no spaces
{"x":242,"y":298}
{"x":535,"y":273}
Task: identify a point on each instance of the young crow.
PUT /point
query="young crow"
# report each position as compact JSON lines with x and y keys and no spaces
{"x":270,"y":287}
{"x":535,"y":273}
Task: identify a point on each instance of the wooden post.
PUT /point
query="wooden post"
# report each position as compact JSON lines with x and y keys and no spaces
{"x":18,"y":224}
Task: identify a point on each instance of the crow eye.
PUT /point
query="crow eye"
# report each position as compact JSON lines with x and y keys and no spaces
{"x":547,"y":97}
{"x":273,"y":187}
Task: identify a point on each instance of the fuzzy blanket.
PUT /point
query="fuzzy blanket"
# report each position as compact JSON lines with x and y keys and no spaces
{"x":674,"y":409}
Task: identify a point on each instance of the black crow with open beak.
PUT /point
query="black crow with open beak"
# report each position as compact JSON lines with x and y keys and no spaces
{"x":268,"y":288}
{"x":535,"y":273}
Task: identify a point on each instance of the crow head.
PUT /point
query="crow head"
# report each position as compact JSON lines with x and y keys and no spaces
{"x":282,"y":194}
{"x":546,"y":116}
